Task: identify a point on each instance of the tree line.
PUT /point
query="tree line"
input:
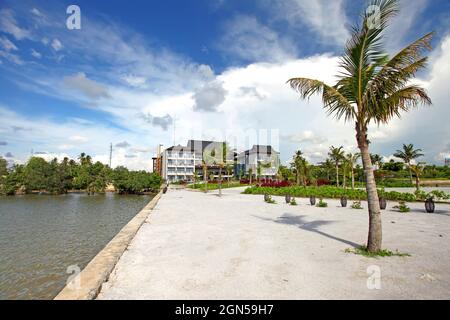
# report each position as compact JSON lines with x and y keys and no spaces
{"x":59,"y":177}
{"x":344,"y":170}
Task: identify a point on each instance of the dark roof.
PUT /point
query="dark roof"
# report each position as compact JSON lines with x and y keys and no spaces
{"x":197,"y":146}
{"x":259,"y":149}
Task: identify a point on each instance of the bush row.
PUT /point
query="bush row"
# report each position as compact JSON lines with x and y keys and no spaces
{"x":328,"y":192}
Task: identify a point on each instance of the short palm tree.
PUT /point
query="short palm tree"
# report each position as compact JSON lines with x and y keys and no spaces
{"x":336,"y":155}
{"x":418,"y":171}
{"x":298,"y":162}
{"x":372,"y":88}
{"x":408,"y":154}
{"x":352,"y":159}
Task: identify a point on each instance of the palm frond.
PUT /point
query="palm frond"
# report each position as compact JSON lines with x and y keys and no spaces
{"x":334,"y":101}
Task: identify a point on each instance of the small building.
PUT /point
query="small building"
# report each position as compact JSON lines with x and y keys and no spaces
{"x":264,"y":158}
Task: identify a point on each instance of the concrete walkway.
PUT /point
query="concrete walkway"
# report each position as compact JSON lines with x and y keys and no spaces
{"x":197,"y":246}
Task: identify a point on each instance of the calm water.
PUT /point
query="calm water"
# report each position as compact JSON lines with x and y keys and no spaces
{"x":41,"y":236}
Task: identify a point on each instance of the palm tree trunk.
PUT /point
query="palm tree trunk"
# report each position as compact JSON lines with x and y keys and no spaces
{"x":220,"y":181}
{"x":417,"y":183}
{"x":410,"y":173}
{"x":345,"y":178}
{"x":205,"y":179}
{"x":337,"y":175}
{"x":375,"y":227}
{"x":353,"y":178}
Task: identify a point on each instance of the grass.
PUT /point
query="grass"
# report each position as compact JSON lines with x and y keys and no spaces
{"x":402,"y":207}
{"x":215,"y":186}
{"x":362,"y":251}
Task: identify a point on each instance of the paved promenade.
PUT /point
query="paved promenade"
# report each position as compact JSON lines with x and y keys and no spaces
{"x":200,"y":246}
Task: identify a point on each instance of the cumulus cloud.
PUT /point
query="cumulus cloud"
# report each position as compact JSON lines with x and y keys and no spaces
{"x":209,"y":97}
{"x":88,"y":87}
{"x":163,"y":122}
{"x":78,"y":139}
{"x":252,"y":92}
{"x":9,"y":155}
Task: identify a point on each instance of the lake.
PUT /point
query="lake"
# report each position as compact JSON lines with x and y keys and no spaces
{"x":42,"y":236}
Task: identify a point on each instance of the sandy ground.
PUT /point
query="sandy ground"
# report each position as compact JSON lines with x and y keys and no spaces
{"x":197,"y":246}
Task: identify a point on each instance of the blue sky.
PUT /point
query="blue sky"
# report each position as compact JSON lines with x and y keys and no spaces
{"x":218,"y":67}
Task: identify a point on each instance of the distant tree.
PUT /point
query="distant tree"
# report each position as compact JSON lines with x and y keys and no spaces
{"x":337,"y":156}
{"x":418,"y":171}
{"x":352,"y":159}
{"x":408,"y":154}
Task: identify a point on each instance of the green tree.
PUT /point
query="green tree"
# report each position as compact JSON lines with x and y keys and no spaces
{"x":337,"y":156}
{"x":372,"y":88}
{"x":352,"y":159}
{"x":408,"y":154}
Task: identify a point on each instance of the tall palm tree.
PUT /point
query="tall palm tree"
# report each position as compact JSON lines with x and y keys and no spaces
{"x":372,"y":88}
{"x":352,"y":158}
{"x":336,"y":155}
{"x":407,"y":155}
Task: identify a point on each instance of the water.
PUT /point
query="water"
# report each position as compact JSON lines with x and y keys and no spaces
{"x":41,"y":236}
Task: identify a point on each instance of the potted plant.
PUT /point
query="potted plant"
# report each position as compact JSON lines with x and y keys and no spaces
{"x":344,"y":201}
{"x":312,"y":200}
{"x":429,"y":203}
{"x":288,"y":198}
{"x":382,"y":199}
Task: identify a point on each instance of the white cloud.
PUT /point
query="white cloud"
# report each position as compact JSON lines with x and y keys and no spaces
{"x":246,"y":38}
{"x":36,"y":12}
{"x":8,"y":24}
{"x":7,"y":44}
{"x":325,"y":18}
{"x":11,"y":57}
{"x":86,"y":86}
{"x":78,"y":139}
{"x":57,"y":45}
{"x":36,"y":54}
{"x":135,"y":81}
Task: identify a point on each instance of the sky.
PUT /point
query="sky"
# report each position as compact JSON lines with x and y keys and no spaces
{"x":138,"y":74}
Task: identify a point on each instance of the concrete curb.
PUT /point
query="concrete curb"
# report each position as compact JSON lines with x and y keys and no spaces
{"x":88,"y":283}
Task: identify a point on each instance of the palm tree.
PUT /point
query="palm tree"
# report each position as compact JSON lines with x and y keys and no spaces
{"x":298,"y":162}
{"x":372,"y":88}
{"x":328,"y":166}
{"x":418,"y":171}
{"x":336,"y":155}
{"x":407,"y":155}
{"x":352,"y":158}
{"x":377,"y":160}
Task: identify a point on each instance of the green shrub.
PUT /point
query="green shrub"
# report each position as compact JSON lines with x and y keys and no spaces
{"x":322,"y":204}
{"x":293,"y":202}
{"x":328,"y":192}
{"x":357,"y":205}
{"x":402,"y":207}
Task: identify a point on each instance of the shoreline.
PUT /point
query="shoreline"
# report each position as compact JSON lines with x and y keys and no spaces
{"x":88,"y":283}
